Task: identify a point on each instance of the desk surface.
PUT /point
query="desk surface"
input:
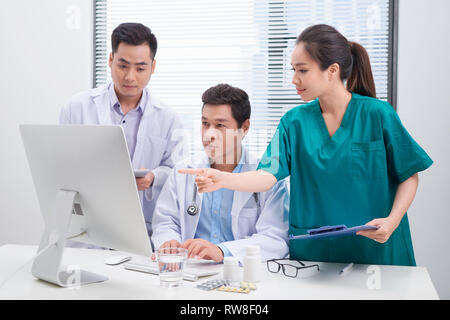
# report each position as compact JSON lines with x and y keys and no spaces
{"x":364,"y":282}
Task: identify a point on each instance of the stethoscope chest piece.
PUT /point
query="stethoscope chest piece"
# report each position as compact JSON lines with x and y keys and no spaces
{"x":192,"y":209}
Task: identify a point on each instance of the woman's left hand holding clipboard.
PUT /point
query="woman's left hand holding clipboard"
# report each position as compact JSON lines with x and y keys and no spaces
{"x":386,"y":227}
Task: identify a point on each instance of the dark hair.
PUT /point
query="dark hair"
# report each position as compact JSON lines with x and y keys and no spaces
{"x":235,"y":97}
{"x":327,"y":46}
{"x":134,"y":34}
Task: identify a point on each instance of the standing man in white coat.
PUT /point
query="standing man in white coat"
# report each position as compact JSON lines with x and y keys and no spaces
{"x":222,"y":223}
{"x":151,"y":128}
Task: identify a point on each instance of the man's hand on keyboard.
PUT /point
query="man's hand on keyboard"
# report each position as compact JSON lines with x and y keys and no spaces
{"x":203,"y":249}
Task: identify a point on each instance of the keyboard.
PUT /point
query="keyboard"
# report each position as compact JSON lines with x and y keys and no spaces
{"x":193,"y":270}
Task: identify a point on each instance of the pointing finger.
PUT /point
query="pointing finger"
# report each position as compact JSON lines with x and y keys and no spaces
{"x":191,"y":171}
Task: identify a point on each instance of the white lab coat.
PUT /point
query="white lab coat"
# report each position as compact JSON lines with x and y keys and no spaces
{"x":159,"y":142}
{"x":264,"y":224}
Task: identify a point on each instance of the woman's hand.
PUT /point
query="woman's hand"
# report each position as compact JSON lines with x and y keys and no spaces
{"x":406,"y":192}
{"x":386,"y":226}
{"x":208,"y":179}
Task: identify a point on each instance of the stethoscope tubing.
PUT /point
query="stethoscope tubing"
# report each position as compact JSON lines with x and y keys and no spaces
{"x":193,"y":209}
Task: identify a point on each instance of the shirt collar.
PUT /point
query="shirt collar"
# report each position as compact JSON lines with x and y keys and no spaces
{"x":114,"y":101}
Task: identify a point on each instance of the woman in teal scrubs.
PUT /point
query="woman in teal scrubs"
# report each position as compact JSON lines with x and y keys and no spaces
{"x":349,"y":158}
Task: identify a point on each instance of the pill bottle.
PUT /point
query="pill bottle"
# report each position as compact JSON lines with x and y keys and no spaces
{"x":231,"y":269}
{"x":252,"y":264}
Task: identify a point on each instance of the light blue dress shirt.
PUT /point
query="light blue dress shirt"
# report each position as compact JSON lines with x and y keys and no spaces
{"x":130,"y":121}
{"x":214,"y":223}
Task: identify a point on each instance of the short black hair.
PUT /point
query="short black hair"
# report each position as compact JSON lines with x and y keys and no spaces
{"x":235,"y":97}
{"x":134,"y":34}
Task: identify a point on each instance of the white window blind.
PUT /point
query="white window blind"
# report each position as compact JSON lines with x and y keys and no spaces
{"x":245,"y":43}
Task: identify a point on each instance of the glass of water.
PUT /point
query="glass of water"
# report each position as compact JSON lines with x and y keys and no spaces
{"x":171,"y":263}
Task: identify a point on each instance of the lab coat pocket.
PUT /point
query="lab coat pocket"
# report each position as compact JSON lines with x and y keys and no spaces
{"x":369,"y":159}
{"x":308,"y":249}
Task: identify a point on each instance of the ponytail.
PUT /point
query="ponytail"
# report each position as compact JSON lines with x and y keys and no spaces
{"x":326,"y":45}
{"x":361,"y":78}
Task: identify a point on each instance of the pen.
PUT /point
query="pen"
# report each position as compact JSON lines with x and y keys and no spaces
{"x":346,"y":269}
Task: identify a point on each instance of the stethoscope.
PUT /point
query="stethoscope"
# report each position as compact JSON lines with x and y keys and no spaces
{"x":193,"y":208}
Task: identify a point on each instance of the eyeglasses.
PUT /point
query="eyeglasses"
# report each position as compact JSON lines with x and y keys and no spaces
{"x":290,"y":269}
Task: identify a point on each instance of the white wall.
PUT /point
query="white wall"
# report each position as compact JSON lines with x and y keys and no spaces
{"x":45,"y":57}
{"x":424,"y":107}
{"x":44,"y":60}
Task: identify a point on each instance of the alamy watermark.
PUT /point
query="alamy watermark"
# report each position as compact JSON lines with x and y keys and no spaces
{"x":374,"y":280}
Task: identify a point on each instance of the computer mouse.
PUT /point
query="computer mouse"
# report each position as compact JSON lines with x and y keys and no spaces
{"x":117,"y":259}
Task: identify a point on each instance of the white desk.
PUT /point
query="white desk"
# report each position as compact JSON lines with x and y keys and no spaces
{"x":395,"y":282}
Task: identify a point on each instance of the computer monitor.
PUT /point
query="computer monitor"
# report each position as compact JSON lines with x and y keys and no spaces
{"x":86,"y":189}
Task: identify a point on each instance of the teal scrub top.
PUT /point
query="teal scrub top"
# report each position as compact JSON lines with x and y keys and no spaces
{"x":350,"y":178}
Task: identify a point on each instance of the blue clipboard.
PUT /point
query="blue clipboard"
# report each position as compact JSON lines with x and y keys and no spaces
{"x":331,"y":231}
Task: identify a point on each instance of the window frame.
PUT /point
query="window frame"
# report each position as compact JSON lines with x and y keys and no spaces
{"x":393,"y":52}
{"x":392,"y":49}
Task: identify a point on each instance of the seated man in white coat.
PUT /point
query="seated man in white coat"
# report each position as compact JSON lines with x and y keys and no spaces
{"x":150,"y":127}
{"x":222,"y":223}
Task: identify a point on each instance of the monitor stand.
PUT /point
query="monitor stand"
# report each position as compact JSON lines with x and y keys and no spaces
{"x":47,"y":264}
